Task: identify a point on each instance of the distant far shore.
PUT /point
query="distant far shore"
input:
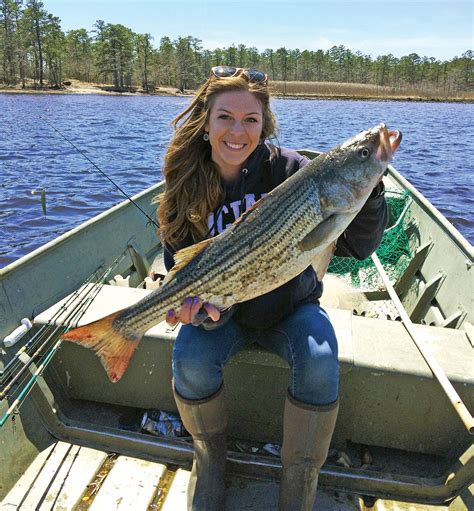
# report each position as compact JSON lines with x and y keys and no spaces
{"x":278,"y":89}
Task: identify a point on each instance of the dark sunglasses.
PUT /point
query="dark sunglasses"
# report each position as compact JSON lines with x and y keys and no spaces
{"x":252,"y":75}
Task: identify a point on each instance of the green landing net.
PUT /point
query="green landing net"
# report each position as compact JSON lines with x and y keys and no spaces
{"x":394,"y":251}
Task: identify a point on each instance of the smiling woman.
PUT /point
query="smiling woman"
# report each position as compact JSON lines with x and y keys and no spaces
{"x":234,"y":128}
{"x":198,"y":155}
{"x":217,"y":166}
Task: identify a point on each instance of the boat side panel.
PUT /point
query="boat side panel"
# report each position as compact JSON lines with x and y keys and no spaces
{"x":450,"y":256}
{"x":41,"y":278}
{"x":455,"y":291}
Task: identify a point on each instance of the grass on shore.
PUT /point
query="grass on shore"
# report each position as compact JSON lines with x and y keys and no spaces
{"x":362,"y":91}
{"x":293,"y":89}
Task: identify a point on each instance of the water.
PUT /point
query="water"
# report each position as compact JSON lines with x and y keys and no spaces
{"x":127,"y":138}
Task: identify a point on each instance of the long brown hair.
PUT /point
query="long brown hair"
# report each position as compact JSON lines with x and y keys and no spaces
{"x":192,"y":183}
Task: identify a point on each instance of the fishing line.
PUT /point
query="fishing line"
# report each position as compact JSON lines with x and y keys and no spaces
{"x":73,"y":316}
{"x":30,"y":345}
{"x":121,"y":190}
{"x":28,"y":381}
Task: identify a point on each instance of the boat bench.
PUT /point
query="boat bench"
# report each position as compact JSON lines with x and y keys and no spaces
{"x":389,"y":396}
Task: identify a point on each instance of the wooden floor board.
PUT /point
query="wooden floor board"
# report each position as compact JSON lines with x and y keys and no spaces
{"x":78,"y":470}
{"x":38,"y":487}
{"x":130,"y":486}
{"x":176,"y":498}
{"x":58,"y":477}
{"x":17,"y":494}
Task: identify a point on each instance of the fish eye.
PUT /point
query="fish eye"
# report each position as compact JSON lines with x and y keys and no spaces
{"x":364,"y":153}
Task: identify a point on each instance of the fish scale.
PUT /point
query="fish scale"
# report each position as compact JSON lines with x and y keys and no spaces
{"x":243,"y":261}
{"x":294,"y":225}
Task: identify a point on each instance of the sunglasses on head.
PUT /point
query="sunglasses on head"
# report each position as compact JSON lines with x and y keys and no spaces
{"x":252,"y":75}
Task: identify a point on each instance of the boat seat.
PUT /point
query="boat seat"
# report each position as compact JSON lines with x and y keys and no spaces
{"x":389,"y":396}
{"x":112,"y":298}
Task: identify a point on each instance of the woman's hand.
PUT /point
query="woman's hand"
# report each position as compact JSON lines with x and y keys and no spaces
{"x":193,"y":311}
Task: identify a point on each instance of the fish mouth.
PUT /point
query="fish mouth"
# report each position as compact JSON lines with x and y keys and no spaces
{"x":388,"y":143}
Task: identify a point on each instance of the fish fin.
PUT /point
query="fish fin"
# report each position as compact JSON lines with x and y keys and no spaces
{"x":320,"y":235}
{"x":184,"y":256}
{"x":322,"y":260}
{"x":114,"y":348}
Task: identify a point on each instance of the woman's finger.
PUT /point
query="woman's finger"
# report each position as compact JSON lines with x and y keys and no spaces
{"x":185,"y":311}
{"x":171,"y":318}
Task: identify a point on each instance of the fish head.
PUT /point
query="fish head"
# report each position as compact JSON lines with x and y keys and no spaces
{"x":353,"y":168}
{"x":376,"y":145}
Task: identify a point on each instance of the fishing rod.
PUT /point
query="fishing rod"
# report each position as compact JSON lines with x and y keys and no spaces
{"x":29,"y":360}
{"x":26,"y":387}
{"x":29,"y":385}
{"x":120,"y":189}
{"x":433,"y":364}
{"x":73,"y":316}
{"x":36,"y":338}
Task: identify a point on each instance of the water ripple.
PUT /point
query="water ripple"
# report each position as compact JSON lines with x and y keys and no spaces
{"x":127,"y":138}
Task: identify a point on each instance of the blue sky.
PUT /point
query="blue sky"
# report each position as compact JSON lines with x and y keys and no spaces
{"x":440,"y":29}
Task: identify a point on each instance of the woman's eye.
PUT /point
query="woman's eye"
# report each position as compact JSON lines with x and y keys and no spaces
{"x":224,"y":116}
{"x":251,"y":119}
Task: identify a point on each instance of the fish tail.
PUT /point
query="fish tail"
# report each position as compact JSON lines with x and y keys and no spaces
{"x":114,"y":348}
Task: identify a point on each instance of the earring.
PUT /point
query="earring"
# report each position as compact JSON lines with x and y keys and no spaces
{"x":205,"y":137}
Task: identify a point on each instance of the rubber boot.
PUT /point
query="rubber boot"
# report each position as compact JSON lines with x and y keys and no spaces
{"x":307,"y":432}
{"x":206,"y":420}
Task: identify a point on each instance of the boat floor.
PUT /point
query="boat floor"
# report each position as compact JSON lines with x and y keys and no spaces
{"x":69,"y":477}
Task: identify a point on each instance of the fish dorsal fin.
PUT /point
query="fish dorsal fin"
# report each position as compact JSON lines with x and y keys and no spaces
{"x":185,"y":255}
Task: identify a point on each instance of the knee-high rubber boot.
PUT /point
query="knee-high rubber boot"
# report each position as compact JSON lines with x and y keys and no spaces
{"x":206,"y":420}
{"x":307,"y":432}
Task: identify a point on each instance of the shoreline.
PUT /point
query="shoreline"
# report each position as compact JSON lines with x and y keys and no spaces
{"x":170,"y":92}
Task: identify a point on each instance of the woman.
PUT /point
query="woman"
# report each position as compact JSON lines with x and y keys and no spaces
{"x":217,"y":166}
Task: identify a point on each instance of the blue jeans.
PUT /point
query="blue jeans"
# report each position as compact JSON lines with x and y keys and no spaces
{"x":306,"y":340}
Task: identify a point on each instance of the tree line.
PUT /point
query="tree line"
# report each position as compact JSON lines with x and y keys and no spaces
{"x":34,"y":50}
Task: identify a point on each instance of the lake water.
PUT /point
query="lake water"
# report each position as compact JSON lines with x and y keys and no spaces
{"x":127,"y":136}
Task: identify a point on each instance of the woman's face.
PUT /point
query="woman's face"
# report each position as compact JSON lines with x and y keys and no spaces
{"x":234,"y":126}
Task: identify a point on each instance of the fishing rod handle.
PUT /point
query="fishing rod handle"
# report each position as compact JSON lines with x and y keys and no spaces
{"x":18,"y":333}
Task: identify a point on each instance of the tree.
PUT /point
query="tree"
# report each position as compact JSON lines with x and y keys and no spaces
{"x":268,"y":59}
{"x":79,"y":55}
{"x":253,"y":57}
{"x":230,"y":56}
{"x":282,"y":61}
{"x":35,"y":18}
{"x":54,"y":49}
{"x":144,"y":50}
{"x":321,"y":65}
{"x":167,"y":63}
{"x":115,"y":53}
{"x":384,"y":66}
{"x":185,"y":63}
{"x":9,"y":14}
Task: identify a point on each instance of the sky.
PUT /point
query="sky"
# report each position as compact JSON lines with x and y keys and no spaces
{"x":440,"y":29}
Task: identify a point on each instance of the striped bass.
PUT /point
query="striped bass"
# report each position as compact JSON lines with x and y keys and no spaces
{"x":293,"y":226}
